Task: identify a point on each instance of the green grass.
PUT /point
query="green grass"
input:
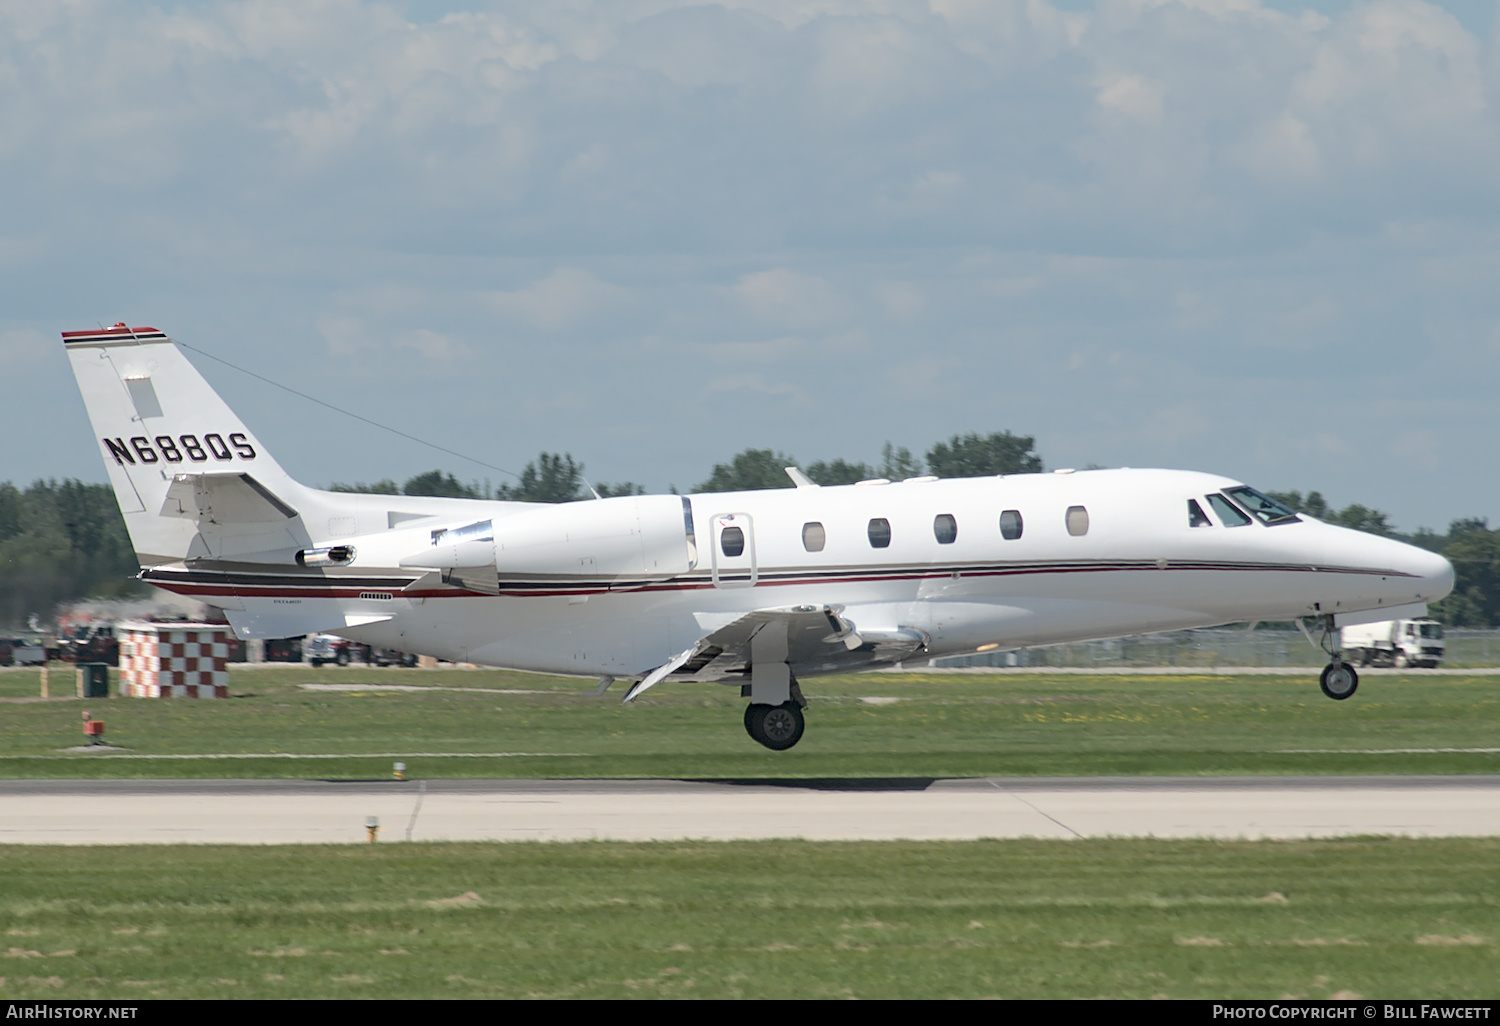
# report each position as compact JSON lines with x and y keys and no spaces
{"x":941,"y":724}
{"x":1374,"y":918}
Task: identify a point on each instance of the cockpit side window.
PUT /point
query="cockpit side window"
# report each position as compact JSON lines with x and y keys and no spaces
{"x":1261,"y":506}
{"x":1229,"y":513}
{"x":1196,"y":516}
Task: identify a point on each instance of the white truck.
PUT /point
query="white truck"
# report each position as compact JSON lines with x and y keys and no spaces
{"x":1393,"y":643}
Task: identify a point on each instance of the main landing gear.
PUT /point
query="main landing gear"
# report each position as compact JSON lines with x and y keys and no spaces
{"x":1338,"y":680}
{"x":777,"y":726}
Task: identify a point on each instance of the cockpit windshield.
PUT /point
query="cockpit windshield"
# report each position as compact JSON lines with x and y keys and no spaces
{"x":1264,"y":508}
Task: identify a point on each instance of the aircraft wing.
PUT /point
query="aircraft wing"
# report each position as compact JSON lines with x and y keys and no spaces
{"x":263,"y":623}
{"x":818,"y":639}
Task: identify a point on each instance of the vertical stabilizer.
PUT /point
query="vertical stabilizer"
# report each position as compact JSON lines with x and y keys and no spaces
{"x":165,"y":434}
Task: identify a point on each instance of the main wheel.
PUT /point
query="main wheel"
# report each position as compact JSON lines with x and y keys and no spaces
{"x":1399,"y":661}
{"x":343,"y":659}
{"x":778,"y":727}
{"x":1339,"y":681}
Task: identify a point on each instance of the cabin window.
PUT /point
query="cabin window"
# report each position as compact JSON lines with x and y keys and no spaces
{"x":1078,"y":521}
{"x":814,"y":537}
{"x":1010,"y":524}
{"x":732,"y":541}
{"x":945,"y":529}
{"x":1196,"y":516}
{"x":880,"y":533}
{"x":1229,"y":513}
{"x":1264,"y":508}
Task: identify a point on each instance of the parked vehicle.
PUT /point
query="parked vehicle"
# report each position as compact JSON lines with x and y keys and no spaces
{"x":94,"y":643}
{"x":24,"y":652}
{"x":326,"y":648}
{"x":283,"y":650}
{"x":1394,"y":643}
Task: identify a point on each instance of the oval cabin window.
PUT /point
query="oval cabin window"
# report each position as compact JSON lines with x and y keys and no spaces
{"x":880,"y":533}
{"x":813,"y":537}
{"x":732,"y":541}
{"x":945,"y":529}
{"x":1078,"y":521}
{"x":1010,"y":524}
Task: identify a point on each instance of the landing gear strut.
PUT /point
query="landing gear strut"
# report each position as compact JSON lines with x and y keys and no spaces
{"x":777,"y":725}
{"x":1338,"y":680}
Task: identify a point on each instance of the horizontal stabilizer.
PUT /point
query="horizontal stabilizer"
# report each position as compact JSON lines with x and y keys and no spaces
{"x":223,"y":499}
{"x":249,"y":624}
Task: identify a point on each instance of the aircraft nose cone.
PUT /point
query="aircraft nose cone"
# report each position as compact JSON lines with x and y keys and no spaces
{"x":1437,"y":573}
{"x":1433,"y":571}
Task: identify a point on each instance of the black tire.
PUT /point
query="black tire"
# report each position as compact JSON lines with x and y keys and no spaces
{"x":778,"y":727}
{"x":316,"y":662}
{"x":1339,"y":681}
{"x":343,"y":659}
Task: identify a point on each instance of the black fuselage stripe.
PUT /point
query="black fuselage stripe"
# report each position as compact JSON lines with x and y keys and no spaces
{"x":301,"y":583}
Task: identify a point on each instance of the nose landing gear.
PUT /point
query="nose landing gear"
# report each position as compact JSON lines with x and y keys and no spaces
{"x":1338,"y":680}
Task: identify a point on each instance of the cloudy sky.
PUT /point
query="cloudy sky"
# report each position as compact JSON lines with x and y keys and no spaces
{"x":1257,"y":237}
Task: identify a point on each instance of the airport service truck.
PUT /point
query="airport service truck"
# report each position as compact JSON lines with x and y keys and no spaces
{"x":1394,"y":643}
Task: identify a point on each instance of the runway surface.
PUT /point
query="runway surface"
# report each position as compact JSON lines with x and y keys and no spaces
{"x":310,"y":811}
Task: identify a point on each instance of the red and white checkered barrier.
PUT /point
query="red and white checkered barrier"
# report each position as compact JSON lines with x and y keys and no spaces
{"x":174,"y":660}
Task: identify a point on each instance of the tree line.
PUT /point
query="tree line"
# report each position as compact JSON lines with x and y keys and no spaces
{"x":557,"y":477}
{"x":62,"y":541}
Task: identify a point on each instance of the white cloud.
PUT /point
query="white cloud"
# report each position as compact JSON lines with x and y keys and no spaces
{"x":566,"y":298}
{"x":784,"y":296}
{"x":1132,"y":95}
{"x":934,"y":203}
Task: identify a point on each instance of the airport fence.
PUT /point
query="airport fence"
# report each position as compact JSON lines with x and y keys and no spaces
{"x":1211,"y":647}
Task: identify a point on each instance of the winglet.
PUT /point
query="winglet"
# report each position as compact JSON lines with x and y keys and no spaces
{"x":800,"y":479}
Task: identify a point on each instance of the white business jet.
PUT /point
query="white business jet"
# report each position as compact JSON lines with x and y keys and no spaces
{"x":758,"y":590}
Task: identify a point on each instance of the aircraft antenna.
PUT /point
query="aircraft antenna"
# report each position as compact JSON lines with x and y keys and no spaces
{"x":347,"y":413}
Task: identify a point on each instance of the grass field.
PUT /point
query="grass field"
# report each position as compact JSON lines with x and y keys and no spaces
{"x":1010,"y":919}
{"x":1020,"y":919}
{"x":492,"y":723}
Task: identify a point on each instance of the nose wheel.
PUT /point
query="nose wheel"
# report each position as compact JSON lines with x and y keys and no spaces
{"x":778,"y":727}
{"x":1339,"y":680}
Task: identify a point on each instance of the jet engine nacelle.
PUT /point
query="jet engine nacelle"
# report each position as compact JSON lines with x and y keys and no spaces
{"x":636,"y":537}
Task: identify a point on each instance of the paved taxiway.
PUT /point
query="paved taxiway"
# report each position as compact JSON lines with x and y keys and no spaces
{"x":282,"y":811}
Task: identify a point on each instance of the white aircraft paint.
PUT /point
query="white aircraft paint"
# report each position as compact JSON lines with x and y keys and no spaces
{"x":760,"y":589}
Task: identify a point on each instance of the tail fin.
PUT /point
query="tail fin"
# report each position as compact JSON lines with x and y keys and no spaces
{"x":191,"y":479}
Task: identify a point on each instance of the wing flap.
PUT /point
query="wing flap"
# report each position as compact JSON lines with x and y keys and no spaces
{"x":818,"y":639}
